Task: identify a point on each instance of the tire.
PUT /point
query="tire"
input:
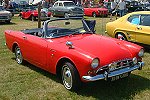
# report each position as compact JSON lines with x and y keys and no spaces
{"x":70,"y":77}
{"x":33,"y":18}
{"x":18,"y":55}
{"x":66,"y":15}
{"x":7,"y":21}
{"x":94,"y":14}
{"x":121,"y":36}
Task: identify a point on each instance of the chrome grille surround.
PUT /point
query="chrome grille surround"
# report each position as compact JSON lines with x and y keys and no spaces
{"x":117,"y":65}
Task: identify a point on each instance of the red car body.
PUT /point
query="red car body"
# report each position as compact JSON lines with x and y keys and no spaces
{"x":33,"y":14}
{"x":50,"y":53}
{"x":96,"y":12}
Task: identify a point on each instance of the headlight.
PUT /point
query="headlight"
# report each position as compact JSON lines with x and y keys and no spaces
{"x":135,"y":61}
{"x":10,"y":14}
{"x":141,"y":53}
{"x":95,"y":63}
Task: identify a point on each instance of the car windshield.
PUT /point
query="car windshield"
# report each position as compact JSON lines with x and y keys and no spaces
{"x":69,"y":4}
{"x":67,"y":27}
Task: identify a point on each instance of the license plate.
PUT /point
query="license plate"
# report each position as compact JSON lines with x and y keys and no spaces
{"x":119,"y":76}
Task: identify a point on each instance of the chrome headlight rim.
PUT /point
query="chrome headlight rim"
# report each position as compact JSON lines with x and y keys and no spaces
{"x":135,"y":60}
{"x":141,"y":53}
{"x":95,"y":63}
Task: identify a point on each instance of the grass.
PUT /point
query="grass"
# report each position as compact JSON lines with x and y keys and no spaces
{"x":27,"y":82}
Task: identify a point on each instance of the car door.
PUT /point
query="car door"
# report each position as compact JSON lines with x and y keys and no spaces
{"x":87,"y":11}
{"x":143,"y":30}
{"x":131,"y":25}
{"x":28,"y":13}
{"x":55,"y":9}
{"x":35,"y":49}
{"x":60,"y":9}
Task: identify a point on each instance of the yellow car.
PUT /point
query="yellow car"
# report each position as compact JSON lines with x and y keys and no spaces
{"x":133,"y":27}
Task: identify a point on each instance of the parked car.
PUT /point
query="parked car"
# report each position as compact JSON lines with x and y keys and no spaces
{"x":143,"y":7}
{"x":68,"y":48}
{"x":66,"y":9}
{"x":132,"y":5}
{"x":94,"y":12}
{"x":32,"y":13}
{"x":13,"y":7}
{"x":5,"y":16}
{"x":133,"y":27}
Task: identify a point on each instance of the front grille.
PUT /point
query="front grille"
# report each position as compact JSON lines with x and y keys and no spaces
{"x":3,"y":17}
{"x":121,"y":64}
{"x":116,"y":66}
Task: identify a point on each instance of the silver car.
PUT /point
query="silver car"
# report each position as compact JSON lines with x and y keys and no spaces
{"x":66,"y":9}
{"x":5,"y":16}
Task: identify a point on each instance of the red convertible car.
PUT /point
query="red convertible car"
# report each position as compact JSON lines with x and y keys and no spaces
{"x":71,"y":50}
{"x":94,"y":12}
{"x":32,"y":13}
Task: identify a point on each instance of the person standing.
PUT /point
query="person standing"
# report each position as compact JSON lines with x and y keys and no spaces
{"x":113,"y":5}
{"x":121,"y":8}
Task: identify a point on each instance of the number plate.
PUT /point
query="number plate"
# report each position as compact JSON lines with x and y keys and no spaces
{"x":119,"y":76}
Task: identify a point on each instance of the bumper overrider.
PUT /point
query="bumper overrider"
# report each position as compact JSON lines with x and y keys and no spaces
{"x":107,"y":74}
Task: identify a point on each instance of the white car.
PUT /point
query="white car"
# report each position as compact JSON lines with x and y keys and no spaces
{"x":5,"y":16}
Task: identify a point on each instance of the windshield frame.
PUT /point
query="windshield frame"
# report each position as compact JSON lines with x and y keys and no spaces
{"x":46,"y":24}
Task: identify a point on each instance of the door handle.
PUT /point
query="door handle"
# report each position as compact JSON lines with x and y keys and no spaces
{"x":139,"y":28}
{"x":24,"y":37}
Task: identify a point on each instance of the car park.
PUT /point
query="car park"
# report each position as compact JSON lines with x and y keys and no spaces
{"x":66,"y":9}
{"x":135,"y":27}
{"x":5,"y":16}
{"x":70,"y":49}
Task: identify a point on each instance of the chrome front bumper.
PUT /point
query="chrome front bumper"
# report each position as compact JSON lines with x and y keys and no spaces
{"x":107,"y":75}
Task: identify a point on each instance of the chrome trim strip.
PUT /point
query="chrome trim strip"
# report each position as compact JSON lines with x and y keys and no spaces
{"x":113,"y":73}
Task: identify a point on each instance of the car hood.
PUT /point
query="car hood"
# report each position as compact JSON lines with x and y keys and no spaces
{"x":106,"y":49}
{"x":4,"y":12}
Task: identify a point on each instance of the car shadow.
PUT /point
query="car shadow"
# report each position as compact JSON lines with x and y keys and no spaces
{"x":117,"y":90}
{"x":11,"y":23}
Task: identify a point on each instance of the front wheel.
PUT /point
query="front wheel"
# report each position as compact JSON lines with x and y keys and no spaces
{"x":66,"y":15}
{"x":21,"y":17}
{"x":121,"y":36}
{"x":70,"y":77}
{"x":18,"y":55}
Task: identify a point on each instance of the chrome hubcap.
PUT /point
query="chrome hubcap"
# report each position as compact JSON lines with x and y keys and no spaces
{"x":121,"y":37}
{"x":67,"y":77}
{"x":66,"y":15}
{"x":18,"y":56}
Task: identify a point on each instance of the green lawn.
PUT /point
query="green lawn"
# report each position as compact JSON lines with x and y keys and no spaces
{"x":26,"y":82}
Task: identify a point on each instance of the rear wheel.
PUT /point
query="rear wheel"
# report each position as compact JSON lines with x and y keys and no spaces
{"x":94,"y":14}
{"x":121,"y":36}
{"x":70,"y":77}
{"x":18,"y":55}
